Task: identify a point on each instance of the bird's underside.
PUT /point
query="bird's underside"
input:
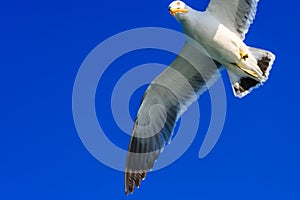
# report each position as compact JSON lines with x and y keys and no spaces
{"x":190,"y":74}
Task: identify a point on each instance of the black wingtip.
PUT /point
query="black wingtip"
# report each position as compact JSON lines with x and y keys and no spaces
{"x":133,"y":180}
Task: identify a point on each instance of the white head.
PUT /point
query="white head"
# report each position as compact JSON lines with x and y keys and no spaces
{"x":177,"y":7}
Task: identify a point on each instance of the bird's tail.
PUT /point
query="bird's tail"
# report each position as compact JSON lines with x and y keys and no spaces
{"x":265,"y":60}
{"x":243,"y":85}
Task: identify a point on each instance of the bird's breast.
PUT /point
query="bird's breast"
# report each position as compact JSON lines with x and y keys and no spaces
{"x":216,"y":40}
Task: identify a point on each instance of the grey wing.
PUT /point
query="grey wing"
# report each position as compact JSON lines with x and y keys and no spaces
{"x":237,"y":15}
{"x":167,"y":97}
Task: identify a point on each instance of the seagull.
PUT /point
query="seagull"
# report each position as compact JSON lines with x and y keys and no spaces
{"x":214,"y":41}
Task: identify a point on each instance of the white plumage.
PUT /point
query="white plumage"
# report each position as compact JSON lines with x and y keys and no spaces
{"x":214,"y":39}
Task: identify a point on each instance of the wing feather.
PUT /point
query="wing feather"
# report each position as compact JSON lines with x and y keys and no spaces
{"x":164,"y":101}
{"x":237,"y":15}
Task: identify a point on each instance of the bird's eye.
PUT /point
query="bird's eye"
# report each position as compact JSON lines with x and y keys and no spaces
{"x":181,"y":4}
{"x":177,"y":5}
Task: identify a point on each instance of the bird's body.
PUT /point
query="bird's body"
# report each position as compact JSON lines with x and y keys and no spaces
{"x":215,"y":38}
{"x":220,"y":43}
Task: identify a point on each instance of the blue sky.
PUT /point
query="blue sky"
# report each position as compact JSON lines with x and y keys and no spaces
{"x":43,"y":44}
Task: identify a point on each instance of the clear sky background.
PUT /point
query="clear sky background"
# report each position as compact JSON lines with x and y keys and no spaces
{"x":42,"y":46}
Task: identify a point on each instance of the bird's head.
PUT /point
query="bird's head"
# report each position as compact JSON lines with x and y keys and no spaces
{"x":177,"y":7}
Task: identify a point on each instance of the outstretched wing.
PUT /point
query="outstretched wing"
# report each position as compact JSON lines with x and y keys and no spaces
{"x":165,"y":100}
{"x":237,"y":15}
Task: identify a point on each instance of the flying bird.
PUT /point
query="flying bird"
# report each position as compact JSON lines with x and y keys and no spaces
{"x":219,"y":33}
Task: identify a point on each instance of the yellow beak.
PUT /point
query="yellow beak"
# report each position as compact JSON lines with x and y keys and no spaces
{"x":174,"y":11}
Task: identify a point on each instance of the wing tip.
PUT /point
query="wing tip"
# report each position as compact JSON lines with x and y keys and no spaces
{"x":133,"y":180}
